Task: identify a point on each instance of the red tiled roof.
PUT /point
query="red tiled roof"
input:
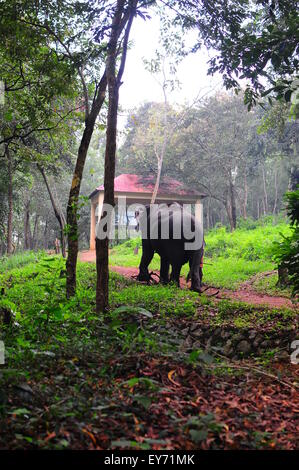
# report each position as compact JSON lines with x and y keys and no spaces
{"x":139,"y":184}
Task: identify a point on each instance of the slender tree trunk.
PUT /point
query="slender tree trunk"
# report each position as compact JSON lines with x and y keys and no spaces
{"x":114,"y":82}
{"x":58,"y":214}
{"x":102,"y":244}
{"x":233,"y":209}
{"x":160,"y":156}
{"x":208,"y":213}
{"x":276,"y":191}
{"x":27,"y":230}
{"x":264,"y":206}
{"x":265,"y":190}
{"x":10,"y":203}
{"x":229,"y":216}
{"x":294,"y":175}
{"x":46,"y":235}
{"x":227,"y":206}
{"x":245,"y":197}
{"x":72,"y":207}
{"x":157,"y":183}
{"x":35,"y":232}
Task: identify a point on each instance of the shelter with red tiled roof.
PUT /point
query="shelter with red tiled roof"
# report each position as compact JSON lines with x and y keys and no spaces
{"x":133,"y":189}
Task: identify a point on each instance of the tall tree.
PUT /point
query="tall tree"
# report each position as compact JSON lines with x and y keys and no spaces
{"x":122,"y":22}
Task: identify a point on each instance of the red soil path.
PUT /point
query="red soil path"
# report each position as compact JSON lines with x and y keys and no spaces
{"x":244,"y":294}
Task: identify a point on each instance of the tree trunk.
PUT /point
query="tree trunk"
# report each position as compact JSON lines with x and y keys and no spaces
{"x":10,"y":203}
{"x":114,"y":82}
{"x":157,"y":183}
{"x":35,"y":233}
{"x":46,"y":235}
{"x":264,"y":206}
{"x":265,"y":191}
{"x":58,"y":214}
{"x":294,"y":177}
{"x":245,"y":197}
{"x":233,"y":209}
{"x":72,"y":207}
{"x":208,"y":213}
{"x":276,"y":191}
{"x":27,"y":230}
{"x":160,"y":156}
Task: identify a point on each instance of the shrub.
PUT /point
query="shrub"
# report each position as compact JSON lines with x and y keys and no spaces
{"x":287,"y":251}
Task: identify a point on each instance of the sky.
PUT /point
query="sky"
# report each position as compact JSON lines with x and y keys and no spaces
{"x":138,"y":84}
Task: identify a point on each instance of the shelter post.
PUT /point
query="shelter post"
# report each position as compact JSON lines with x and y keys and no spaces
{"x":92,"y":242}
{"x":199,"y":211}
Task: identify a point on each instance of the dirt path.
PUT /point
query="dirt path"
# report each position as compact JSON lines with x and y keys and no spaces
{"x":244,"y":294}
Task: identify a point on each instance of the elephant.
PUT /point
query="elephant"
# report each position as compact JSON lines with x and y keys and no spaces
{"x":163,"y":229}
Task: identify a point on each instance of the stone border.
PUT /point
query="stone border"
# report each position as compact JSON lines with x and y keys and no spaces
{"x":236,"y":342}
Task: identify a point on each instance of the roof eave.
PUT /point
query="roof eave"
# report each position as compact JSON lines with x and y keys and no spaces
{"x":146,"y":195}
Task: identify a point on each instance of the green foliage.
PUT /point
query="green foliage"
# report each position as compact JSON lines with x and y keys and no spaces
{"x":19,"y":259}
{"x":287,"y":251}
{"x":252,"y":41}
{"x":251,"y":245}
{"x":292,"y":199}
{"x":243,"y":316}
{"x":118,"y":367}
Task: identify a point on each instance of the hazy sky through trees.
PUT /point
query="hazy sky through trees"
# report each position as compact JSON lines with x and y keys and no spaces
{"x":139,"y":86}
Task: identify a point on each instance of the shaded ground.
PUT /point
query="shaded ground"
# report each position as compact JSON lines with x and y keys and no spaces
{"x":245,"y":293}
{"x":130,"y":379}
{"x":151,"y":403}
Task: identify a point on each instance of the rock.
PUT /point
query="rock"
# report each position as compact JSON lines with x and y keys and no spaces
{"x":252,"y":334}
{"x":265,"y":344}
{"x":209,"y":343}
{"x":228,"y":350}
{"x":185,"y":331}
{"x":194,"y":326}
{"x":224,"y":334}
{"x":217,"y":332}
{"x":197,"y":333}
{"x":188,"y":342}
{"x":238,"y":337}
{"x":282,"y":356}
{"x":257,"y":341}
{"x":244,"y":347}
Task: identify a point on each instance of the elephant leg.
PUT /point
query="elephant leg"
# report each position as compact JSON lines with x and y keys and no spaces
{"x":164,"y":270}
{"x":175,"y":273}
{"x":147,"y":256}
{"x":196,"y":272}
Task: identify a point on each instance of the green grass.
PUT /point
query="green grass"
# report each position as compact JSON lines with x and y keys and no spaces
{"x":230,"y":272}
{"x":86,"y":368}
{"x":267,"y":283}
{"x":46,"y":320}
{"x":19,"y":259}
{"x":244,"y":316}
{"x":251,"y":245}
